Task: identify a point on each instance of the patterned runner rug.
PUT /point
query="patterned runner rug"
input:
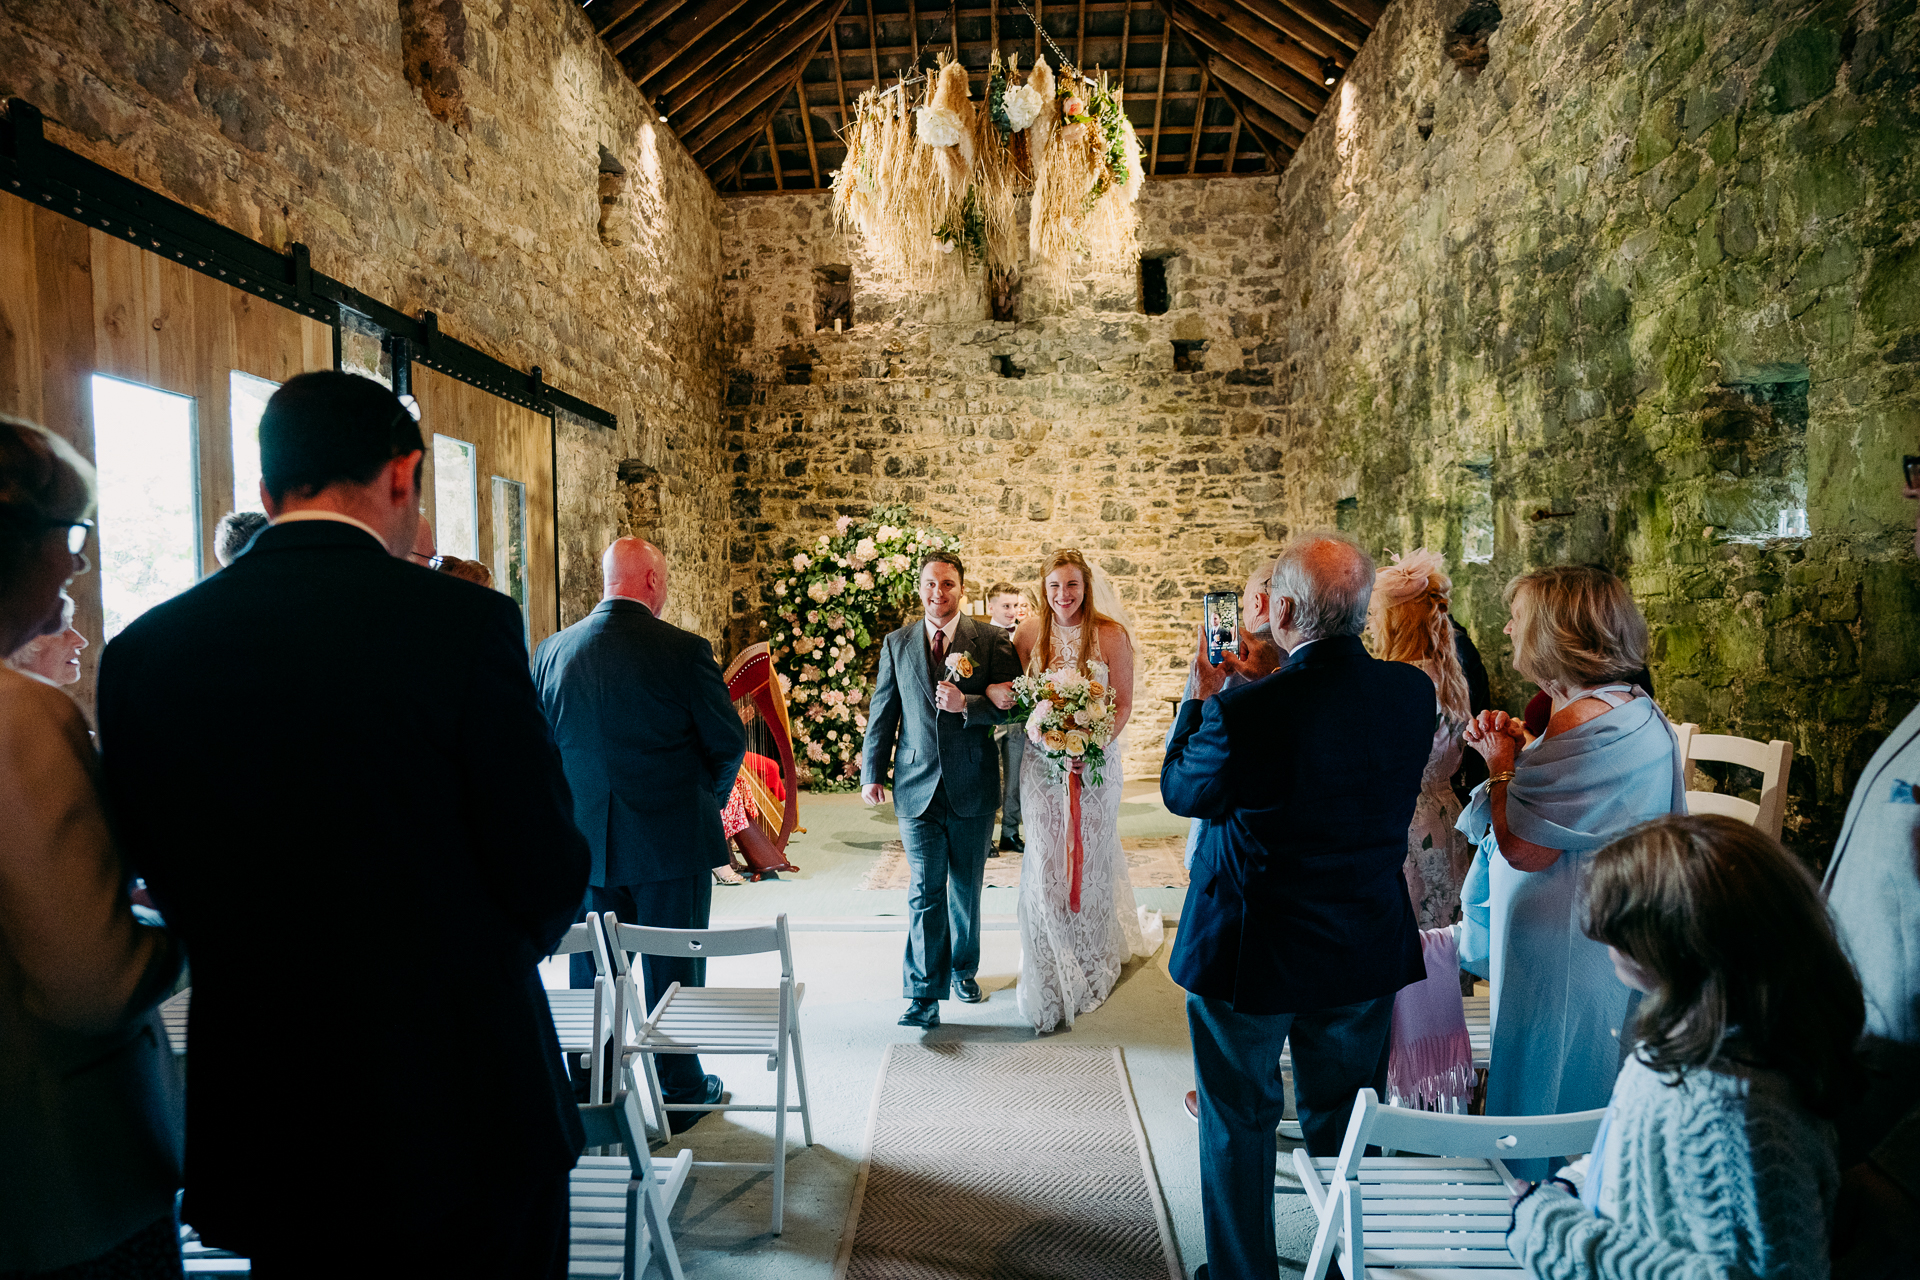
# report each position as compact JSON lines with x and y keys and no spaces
{"x":1022,"y":1161}
{"x":1153,"y":862}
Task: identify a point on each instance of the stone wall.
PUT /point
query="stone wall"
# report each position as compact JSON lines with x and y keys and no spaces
{"x":1068,"y":427}
{"x":507,"y":176}
{"x":1645,"y":283}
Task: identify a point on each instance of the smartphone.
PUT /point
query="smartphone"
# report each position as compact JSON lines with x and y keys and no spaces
{"x":1910,"y":468}
{"x":1220,"y":612}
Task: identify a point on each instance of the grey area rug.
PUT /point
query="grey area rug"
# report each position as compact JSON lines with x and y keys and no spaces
{"x":1153,"y":862}
{"x":1023,"y":1162}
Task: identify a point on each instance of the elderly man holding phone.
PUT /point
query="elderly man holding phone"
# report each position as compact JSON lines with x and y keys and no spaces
{"x":1297,"y":922}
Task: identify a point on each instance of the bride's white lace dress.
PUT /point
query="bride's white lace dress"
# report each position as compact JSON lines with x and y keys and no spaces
{"x":1070,"y":960}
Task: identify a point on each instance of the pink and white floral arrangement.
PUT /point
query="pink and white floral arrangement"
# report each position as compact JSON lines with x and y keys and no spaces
{"x":1068,"y":718}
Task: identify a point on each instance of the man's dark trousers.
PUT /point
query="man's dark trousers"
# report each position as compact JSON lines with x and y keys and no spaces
{"x":684,"y":903}
{"x":1336,"y":1053}
{"x":1013,"y":749}
{"x":948,"y":857}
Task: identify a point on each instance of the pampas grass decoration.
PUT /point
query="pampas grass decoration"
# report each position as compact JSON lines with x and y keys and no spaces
{"x":946,"y":124}
{"x":1031,"y":143}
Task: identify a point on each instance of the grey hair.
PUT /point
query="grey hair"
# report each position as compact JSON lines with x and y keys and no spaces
{"x":1329,"y":598}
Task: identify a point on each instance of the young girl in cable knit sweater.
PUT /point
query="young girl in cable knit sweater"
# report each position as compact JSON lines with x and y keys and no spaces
{"x":1715,"y":1158}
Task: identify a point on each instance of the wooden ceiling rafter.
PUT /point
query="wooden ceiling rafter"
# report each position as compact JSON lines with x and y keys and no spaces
{"x":736,"y":78}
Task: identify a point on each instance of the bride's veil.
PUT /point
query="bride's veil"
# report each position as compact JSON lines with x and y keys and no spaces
{"x":1107,"y":601}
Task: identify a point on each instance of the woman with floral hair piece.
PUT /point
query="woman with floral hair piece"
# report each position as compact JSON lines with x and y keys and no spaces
{"x":1409,"y":623}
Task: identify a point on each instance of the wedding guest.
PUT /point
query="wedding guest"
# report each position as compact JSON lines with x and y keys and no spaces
{"x":1716,"y":1155}
{"x":1410,"y":623}
{"x":235,"y":533}
{"x":465,"y":570}
{"x":1607,"y":761}
{"x":1473,"y":770}
{"x":1006,"y":606}
{"x":90,"y":1120}
{"x":54,"y":657}
{"x":1297,"y":923}
{"x":1260,"y":656}
{"x":383,"y":866}
{"x":651,"y":744}
{"x":1873,"y":889}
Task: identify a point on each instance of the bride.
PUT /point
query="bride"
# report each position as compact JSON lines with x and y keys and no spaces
{"x":1070,"y":961}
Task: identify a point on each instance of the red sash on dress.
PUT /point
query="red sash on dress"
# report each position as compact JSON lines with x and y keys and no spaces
{"x":1079,"y":856}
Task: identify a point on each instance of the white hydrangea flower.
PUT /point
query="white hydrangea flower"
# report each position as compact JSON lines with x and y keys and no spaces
{"x":937,"y":126}
{"x":1023,"y":105}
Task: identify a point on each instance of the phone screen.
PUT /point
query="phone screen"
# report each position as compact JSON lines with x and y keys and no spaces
{"x":1221,"y":613}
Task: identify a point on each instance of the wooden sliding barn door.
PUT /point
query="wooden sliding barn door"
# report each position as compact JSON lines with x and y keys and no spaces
{"x":75,"y":302}
{"x":511,"y":446}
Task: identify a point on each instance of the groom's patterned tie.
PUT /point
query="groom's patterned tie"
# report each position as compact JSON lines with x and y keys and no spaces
{"x":939,"y":651}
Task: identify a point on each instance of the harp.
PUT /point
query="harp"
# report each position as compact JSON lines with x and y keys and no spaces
{"x":769,"y":774}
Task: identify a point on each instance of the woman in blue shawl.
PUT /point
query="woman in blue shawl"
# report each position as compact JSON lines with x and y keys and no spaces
{"x":1607,"y":762}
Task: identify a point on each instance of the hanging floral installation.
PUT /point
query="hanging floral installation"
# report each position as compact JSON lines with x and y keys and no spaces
{"x":934,"y":188}
{"x":825,"y":607}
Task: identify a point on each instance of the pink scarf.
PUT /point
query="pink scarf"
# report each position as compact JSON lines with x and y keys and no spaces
{"x":1431,"y":1064}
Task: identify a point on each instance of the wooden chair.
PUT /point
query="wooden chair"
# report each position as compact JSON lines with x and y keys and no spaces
{"x":620,"y":1205}
{"x":760,"y":1021}
{"x":1441,"y":1216}
{"x":1772,"y":760}
{"x":585,"y":1020}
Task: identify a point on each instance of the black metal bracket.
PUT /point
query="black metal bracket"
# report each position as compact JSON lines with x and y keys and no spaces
{"x":76,"y":187}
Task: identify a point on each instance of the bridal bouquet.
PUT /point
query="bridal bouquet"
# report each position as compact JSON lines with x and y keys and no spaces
{"x":1069,"y":717}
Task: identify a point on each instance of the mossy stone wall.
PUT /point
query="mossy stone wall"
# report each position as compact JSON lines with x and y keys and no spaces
{"x":1639,"y":293}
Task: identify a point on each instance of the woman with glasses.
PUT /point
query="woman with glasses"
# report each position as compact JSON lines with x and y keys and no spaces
{"x":90,"y":1122}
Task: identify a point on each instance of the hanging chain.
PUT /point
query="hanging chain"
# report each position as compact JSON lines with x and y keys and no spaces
{"x":1066,"y":63}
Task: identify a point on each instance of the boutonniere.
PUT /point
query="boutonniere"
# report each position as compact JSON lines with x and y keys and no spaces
{"x":959,"y":665}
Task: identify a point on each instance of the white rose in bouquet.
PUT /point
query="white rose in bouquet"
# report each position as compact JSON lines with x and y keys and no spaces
{"x":937,"y":126}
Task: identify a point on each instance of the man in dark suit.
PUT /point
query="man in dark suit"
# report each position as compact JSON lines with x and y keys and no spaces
{"x":650,"y":743}
{"x":1297,"y":922}
{"x":331,"y":768}
{"x":931,"y":719}
{"x":1473,"y":770}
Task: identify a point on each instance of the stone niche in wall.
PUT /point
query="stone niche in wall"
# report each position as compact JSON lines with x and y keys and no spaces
{"x":1146,"y":440}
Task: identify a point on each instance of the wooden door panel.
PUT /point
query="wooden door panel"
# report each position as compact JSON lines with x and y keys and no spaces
{"x":511,"y":442}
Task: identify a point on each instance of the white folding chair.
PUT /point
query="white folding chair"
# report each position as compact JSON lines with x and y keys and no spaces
{"x":762,"y":1021}
{"x":1442,"y":1216}
{"x":1771,"y":760}
{"x":620,"y":1205}
{"x":1478,"y":1031}
{"x":173,"y":1016}
{"x":585,"y":1020}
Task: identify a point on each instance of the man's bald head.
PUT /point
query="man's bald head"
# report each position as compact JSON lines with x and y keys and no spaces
{"x":635,"y":569}
{"x":1325,"y":580}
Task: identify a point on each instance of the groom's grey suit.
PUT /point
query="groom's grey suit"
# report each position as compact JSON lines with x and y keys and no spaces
{"x":946,"y":786}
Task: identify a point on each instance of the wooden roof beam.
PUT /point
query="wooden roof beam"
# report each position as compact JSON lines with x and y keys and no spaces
{"x":688,"y":22}
{"x":1265,"y":57}
{"x":727,"y":78}
{"x":1281,"y":35}
{"x":663,"y":66}
{"x":1335,"y":22}
{"x":1284,"y":112}
{"x":1368,"y":11}
{"x":1268,"y":133}
{"x":775,"y":69}
{"x":645,"y":15}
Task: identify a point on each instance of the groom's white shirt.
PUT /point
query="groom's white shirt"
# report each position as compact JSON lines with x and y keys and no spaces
{"x":953,"y":625}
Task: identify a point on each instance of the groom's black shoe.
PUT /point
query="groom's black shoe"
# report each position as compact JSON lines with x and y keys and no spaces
{"x":968,"y":990}
{"x":921,"y":1013}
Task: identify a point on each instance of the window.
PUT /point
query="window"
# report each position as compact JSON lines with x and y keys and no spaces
{"x":1476,"y":513}
{"x":143,"y":441}
{"x":510,"y":541}
{"x":456,"y":499}
{"x":1154,"y":296}
{"x":247,"y":398}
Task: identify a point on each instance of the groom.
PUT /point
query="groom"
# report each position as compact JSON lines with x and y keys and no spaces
{"x":931,"y":695}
